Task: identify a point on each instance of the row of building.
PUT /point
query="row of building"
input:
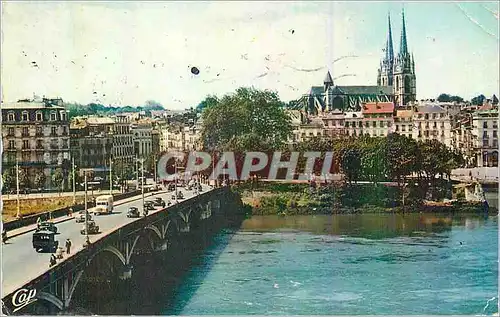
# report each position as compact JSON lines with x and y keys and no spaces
{"x":468,"y":129}
{"x":39,"y":137}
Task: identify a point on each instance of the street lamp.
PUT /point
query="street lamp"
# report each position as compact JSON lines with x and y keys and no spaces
{"x":87,"y":241}
{"x":18,"y":214}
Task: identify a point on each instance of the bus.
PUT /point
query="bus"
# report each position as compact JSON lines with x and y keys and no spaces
{"x":104,"y":205}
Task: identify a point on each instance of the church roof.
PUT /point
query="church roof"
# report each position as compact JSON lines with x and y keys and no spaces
{"x":378,"y":107}
{"x":328,"y":79}
{"x":353,"y":90}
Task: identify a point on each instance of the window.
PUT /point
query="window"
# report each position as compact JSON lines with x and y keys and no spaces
{"x":495,"y":135}
{"x":360,"y":124}
{"x":403,"y":128}
{"x":485,"y":125}
{"x":495,"y":143}
{"x":63,"y":115}
{"x":26,"y":144}
{"x":435,"y":125}
{"x":39,"y":131}
{"x":434,"y":116}
{"x":25,"y":116}
{"x":397,"y":127}
{"x":486,"y":143}
{"x":53,"y":116}
{"x":39,"y":116}
{"x":12,"y":144}
{"x":485,"y":134}
{"x":26,"y":156}
{"x":374,"y":124}
{"x":39,"y":144}
{"x":25,"y":131}
{"x":426,"y":116}
{"x":11,"y":132}
{"x":381,"y":124}
{"x":53,"y":131}
{"x":10,"y":116}
{"x":367,"y":124}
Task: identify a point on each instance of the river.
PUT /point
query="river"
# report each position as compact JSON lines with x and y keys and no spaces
{"x":346,"y":264}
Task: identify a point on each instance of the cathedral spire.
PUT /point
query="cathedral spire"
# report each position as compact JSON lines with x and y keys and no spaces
{"x":389,"y":51}
{"x":403,"y":49}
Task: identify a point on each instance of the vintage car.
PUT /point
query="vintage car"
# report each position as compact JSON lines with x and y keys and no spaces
{"x":46,"y":226}
{"x":92,"y":228}
{"x":159,"y":202}
{"x":133,"y":212}
{"x":171,"y":186}
{"x":149,"y":205}
{"x":81,"y":217}
{"x":45,"y":240}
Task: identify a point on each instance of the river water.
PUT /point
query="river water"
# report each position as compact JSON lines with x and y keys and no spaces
{"x":346,"y":264}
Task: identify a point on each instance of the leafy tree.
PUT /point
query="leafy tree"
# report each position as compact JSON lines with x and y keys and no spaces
{"x":351,"y":164}
{"x":40,"y":179}
{"x":477,"y":101}
{"x":57,"y":179}
{"x":24,"y":181}
{"x":8,"y":180}
{"x":249,"y":117}
{"x":449,"y":98}
{"x":401,"y":157}
{"x":373,"y":162}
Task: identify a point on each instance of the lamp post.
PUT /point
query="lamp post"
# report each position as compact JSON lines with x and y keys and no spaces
{"x":142,"y":181}
{"x":137,"y":172}
{"x":18,"y":214}
{"x":110,"y":177}
{"x":73,"y":173}
{"x":86,"y":213}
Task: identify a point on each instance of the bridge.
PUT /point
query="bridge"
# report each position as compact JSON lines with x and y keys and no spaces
{"x":30,"y":286}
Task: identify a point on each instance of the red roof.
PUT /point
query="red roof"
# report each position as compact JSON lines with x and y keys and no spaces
{"x":378,"y":107}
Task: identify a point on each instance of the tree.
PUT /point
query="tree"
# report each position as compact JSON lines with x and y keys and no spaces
{"x":57,"y":179}
{"x":40,"y":179}
{"x":477,"y":101}
{"x":449,"y":98}
{"x":23,"y":178}
{"x":8,"y":180}
{"x":248,"y":118}
{"x":351,"y":164}
{"x":401,"y":157}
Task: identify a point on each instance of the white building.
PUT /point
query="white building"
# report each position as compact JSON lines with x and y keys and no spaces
{"x":403,"y":124}
{"x":485,"y":137}
{"x":378,"y":118}
{"x":354,"y":123}
{"x":143,"y":142}
{"x":431,"y":121}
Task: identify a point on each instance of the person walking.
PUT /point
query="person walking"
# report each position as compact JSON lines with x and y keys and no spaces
{"x":68,"y":246}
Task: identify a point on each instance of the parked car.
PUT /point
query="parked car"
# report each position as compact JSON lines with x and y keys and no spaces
{"x":81,"y":217}
{"x":46,"y":226}
{"x":159,"y":202}
{"x":133,"y":212}
{"x":92,"y":228}
{"x":44,"y":240}
{"x":171,"y":187}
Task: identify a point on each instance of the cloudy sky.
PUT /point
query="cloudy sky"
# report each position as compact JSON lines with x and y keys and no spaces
{"x":124,"y":53}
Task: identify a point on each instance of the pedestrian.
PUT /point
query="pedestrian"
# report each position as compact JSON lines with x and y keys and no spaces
{"x":68,"y":246}
{"x":53,"y":260}
{"x":38,"y":222}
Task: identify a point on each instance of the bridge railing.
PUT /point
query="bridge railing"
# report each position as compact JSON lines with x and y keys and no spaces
{"x":31,"y":219}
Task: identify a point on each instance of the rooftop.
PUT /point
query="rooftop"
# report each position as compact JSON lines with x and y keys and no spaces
{"x":378,"y":107}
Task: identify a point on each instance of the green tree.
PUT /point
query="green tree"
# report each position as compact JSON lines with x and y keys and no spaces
{"x":449,"y":98}
{"x":40,"y":179}
{"x":351,"y":164}
{"x":8,"y":180}
{"x":477,"y":101}
{"x":247,"y":118}
{"x":24,"y":181}
{"x":401,"y":156}
{"x":57,"y":179}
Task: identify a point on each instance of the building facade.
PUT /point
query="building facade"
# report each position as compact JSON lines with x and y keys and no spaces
{"x":123,"y":143}
{"x":143,"y":145}
{"x":35,"y":135}
{"x":432,"y":121}
{"x":485,"y":137}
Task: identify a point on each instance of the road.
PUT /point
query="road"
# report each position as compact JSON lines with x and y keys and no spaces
{"x":21,"y":263}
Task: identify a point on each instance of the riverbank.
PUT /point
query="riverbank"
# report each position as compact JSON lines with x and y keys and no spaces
{"x":301,"y":199}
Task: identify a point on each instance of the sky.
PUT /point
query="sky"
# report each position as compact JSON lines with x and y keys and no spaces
{"x":124,"y":53}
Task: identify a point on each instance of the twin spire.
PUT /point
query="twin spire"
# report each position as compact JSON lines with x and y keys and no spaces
{"x":403,"y":48}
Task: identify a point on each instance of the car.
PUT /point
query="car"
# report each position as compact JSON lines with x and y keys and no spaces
{"x":171,"y":187}
{"x":149,"y":205}
{"x":44,"y":240}
{"x":92,"y":228}
{"x":133,"y":212}
{"x":46,"y":226}
{"x":81,"y":217}
{"x":159,"y":202}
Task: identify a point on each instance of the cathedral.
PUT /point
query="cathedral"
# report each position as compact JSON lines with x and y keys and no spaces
{"x":395,"y":83}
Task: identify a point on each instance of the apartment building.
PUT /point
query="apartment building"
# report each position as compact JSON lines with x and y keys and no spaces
{"x":432,"y":122}
{"x":403,"y":124}
{"x":35,"y":135}
{"x":123,"y":142}
{"x":378,"y":118}
{"x":485,"y":137}
{"x":143,"y":142}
